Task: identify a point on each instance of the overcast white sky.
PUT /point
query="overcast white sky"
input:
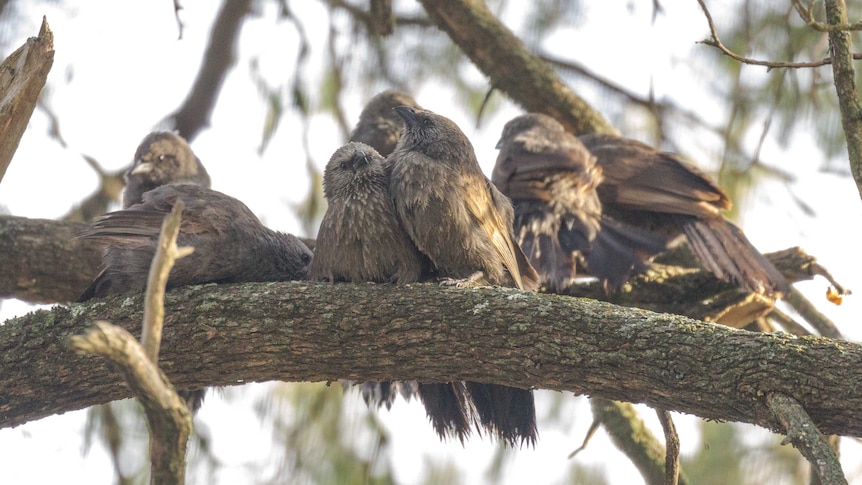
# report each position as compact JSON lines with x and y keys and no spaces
{"x":119,"y":69}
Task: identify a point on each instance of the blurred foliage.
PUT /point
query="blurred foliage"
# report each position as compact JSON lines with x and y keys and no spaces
{"x":321,"y":444}
{"x":728,"y":455}
{"x":121,"y":427}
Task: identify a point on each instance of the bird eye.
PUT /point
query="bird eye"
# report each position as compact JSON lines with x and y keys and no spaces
{"x":306,"y":258}
{"x":427,"y":122}
{"x":344,"y":165}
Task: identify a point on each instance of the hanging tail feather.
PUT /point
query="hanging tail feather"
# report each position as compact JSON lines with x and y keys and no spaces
{"x":725,"y":251}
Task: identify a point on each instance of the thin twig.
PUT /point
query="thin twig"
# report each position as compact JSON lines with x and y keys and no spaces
{"x":807,"y":16}
{"x":630,"y":435}
{"x":716,"y":42}
{"x":671,"y":444}
{"x":177,"y":7}
{"x":590,"y":432}
{"x":167,"y":253}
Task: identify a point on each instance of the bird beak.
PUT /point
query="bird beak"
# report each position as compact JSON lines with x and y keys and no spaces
{"x":143,"y":167}
{"x":499,"y":144}
{"x":407,"y":113}
{"x":360,"y":159}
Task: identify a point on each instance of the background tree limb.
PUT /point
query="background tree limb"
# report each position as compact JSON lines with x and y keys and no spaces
{"x":510,"y":67}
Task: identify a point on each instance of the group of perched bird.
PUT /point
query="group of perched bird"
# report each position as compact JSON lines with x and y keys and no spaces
{"x":408,"y":202}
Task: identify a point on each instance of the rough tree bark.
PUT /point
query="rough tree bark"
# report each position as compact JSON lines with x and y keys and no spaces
{"x":228,"y":334}
{"x":43,"y":262}
{"x":845,"y":85}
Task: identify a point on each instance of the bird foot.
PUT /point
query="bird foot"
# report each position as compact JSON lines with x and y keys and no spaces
{"x":474,"y":280}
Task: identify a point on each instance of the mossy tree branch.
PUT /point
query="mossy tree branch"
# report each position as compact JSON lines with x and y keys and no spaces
{"x":227,"y":334}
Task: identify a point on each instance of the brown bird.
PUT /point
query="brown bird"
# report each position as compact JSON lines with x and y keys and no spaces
{"x":552,"y":179}
{"x":231,"y":245}
{"x":360,"y":239}
{"x":379,"y":125}
{"x":650,"y":201}
{"x":463,"y":224}
{"x":162,"y":158}
{"x":658,"y":192}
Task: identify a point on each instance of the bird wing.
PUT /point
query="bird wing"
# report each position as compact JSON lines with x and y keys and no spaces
{"x":640,"y":177}
{"x":492,"y":211}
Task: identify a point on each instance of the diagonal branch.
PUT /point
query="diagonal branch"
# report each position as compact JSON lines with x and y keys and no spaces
{"x":805,"y":436}
{"x":671,"y":439}
{"x":168,"y":418}
{"x":630,"y":434}
{"x":511,"y":67}
{"x":22,"y":76}
{"x":194,"y":114}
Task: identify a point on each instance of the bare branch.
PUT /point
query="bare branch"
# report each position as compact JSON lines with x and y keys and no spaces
{"x":803,"y":433}
{"x":594,"y":426}
{"x":788,"y":324}
{"x":671,"y":440}
{"x":807,"y":16}
{"x":715,"y":41}
{"x":177,"y":7}
{"x":630,"y":434}
{"x":169,"y":421}
{"x":194,"y":114}
{"x":167,"y":253}
{"x":22,"y":76}
{"x":845,"y":85}
{"x":111,"y":185}
{"x":819,"y":321}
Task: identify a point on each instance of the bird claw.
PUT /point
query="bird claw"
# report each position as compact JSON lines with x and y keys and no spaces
{"x":474,"y":280}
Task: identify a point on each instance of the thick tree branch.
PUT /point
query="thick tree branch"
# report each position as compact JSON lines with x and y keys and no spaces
{"x":22,"y":76}
{"x":511,"y":68}
{"x":43,"y":262}
{"x":49,"y":265}
{"x":222,"y":335}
